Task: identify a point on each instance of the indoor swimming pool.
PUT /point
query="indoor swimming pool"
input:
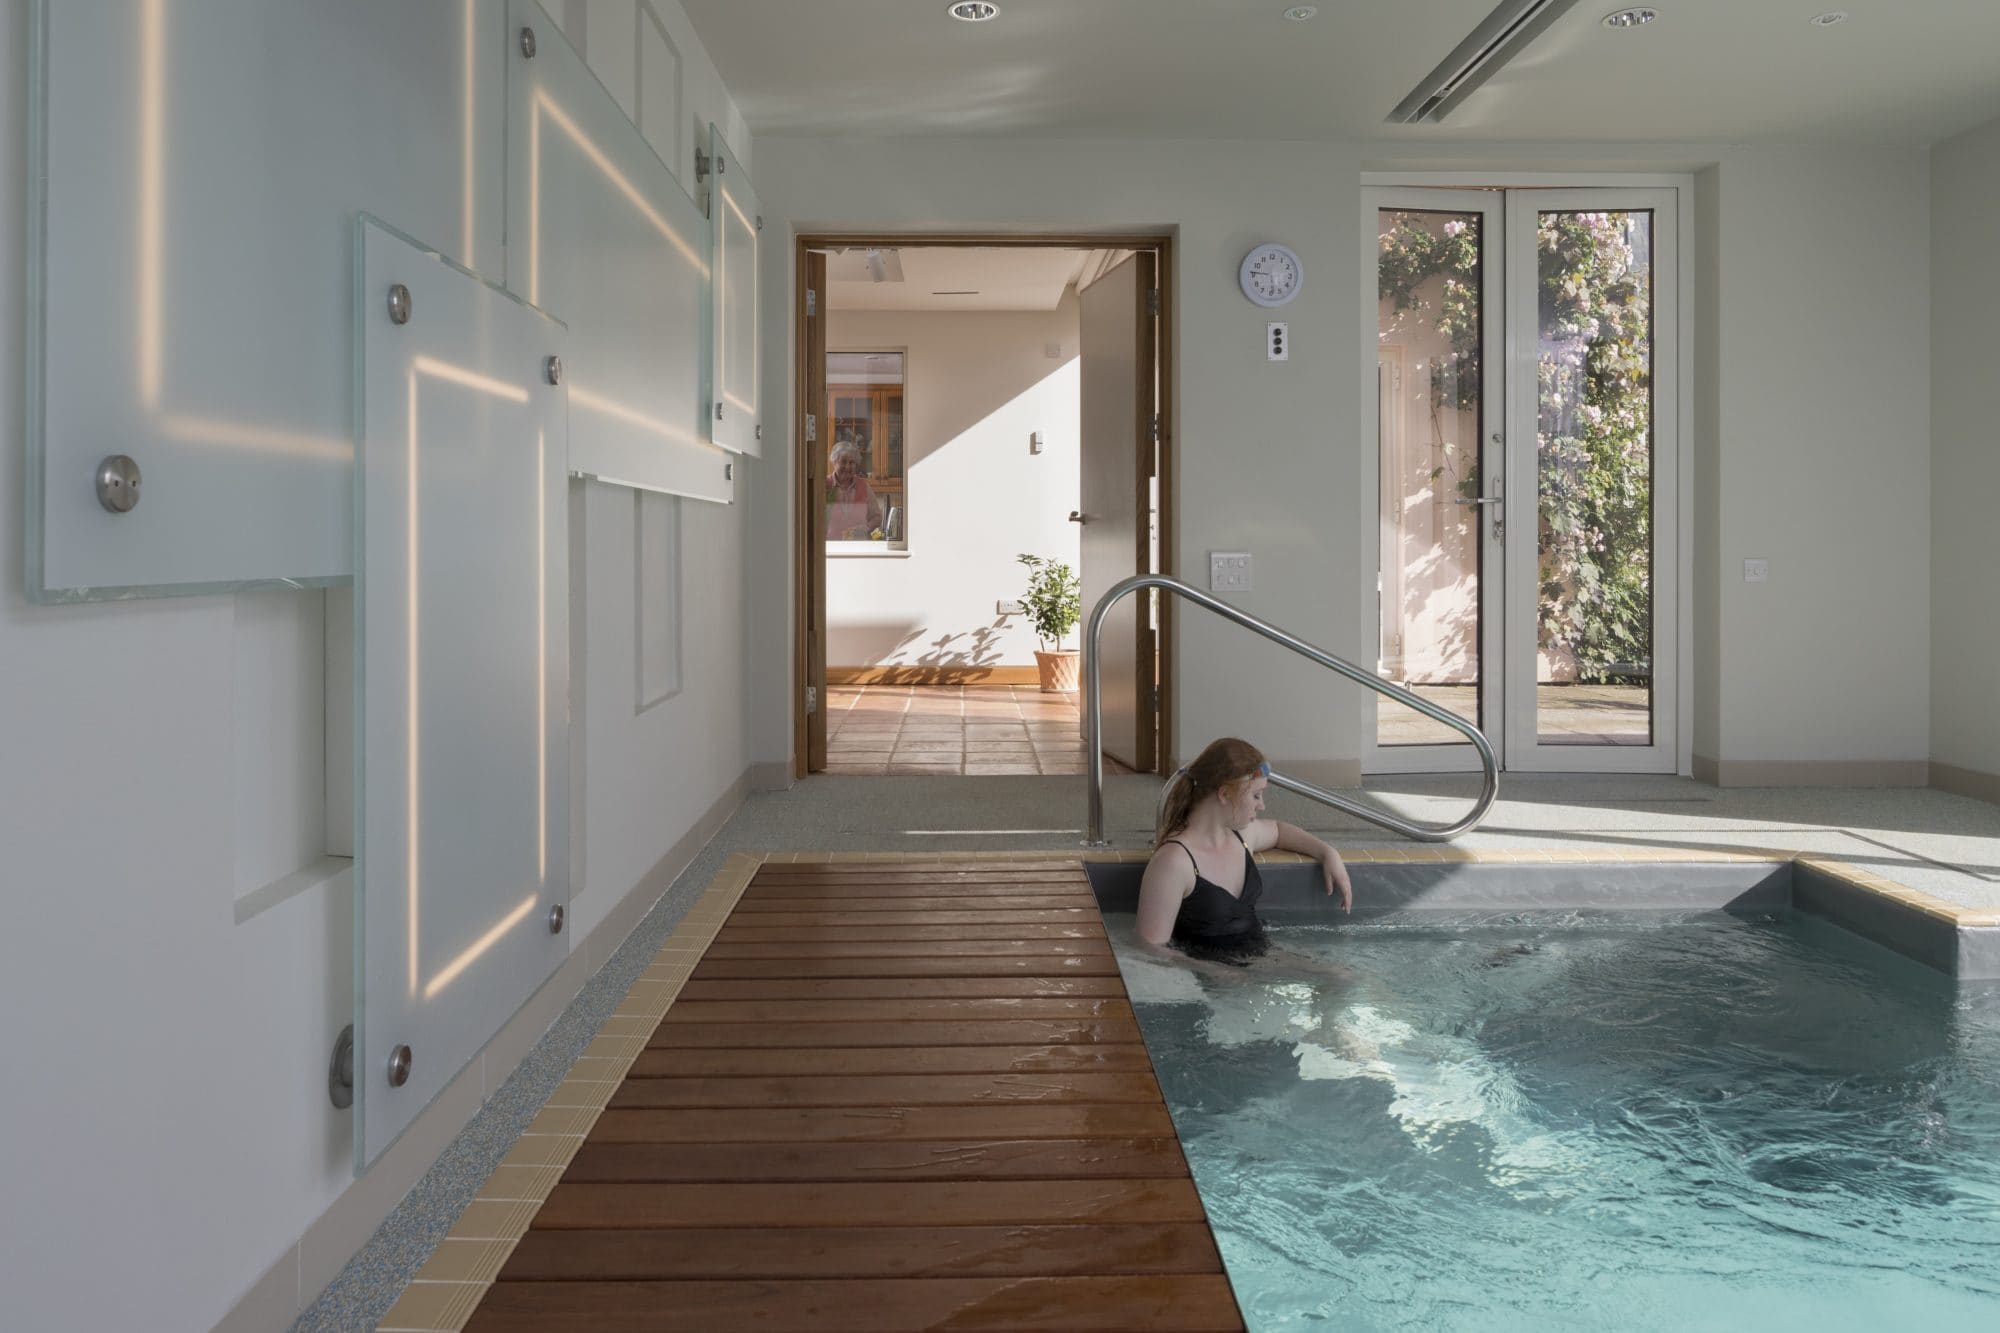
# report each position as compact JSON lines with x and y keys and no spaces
{"x":1688,"y":1120}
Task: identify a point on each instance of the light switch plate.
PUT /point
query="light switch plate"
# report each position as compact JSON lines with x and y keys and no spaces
{"x":1229,"y":571}
{"x":1757,"y":571}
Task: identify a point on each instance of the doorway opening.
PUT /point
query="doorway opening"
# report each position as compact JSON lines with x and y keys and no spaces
{"x":967,"y":401}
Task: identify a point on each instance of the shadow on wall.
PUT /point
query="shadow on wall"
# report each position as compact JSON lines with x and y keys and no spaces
{"x":920,"y":649}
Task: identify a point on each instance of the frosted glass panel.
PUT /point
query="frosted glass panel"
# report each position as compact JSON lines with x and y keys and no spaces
{"x":196,"y":171}
{"x":735,"y":220}
{"x":601,"y":236}
{"x":463,"y":633}
{"x":660,"y":92}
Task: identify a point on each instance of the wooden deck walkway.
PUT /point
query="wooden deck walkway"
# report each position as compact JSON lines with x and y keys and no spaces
{"x":890,"y":1096}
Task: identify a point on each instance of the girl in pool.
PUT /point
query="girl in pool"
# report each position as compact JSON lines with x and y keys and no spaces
{"x":1201,"y":888}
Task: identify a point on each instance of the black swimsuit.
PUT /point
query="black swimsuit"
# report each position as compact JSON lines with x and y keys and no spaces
{"x":1213,"y":922}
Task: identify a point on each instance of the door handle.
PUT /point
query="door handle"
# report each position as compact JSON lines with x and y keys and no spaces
{"x":1483,"y":500}
{"x":1075,"y":517}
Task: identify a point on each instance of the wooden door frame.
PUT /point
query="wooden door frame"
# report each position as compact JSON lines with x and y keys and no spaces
{"x":806,"y":542}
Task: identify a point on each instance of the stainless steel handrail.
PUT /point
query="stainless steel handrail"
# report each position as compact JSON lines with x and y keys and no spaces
{"x":1094,"y":716}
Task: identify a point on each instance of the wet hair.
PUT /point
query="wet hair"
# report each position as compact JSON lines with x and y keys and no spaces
{"x":1224,"y":761}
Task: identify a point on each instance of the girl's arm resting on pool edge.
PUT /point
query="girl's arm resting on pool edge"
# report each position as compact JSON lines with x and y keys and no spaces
{"x":1168,"y":879}
{"x":1268,"y":833}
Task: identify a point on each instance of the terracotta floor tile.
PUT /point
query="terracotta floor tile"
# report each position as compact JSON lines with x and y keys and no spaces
{"x":976,"y":769}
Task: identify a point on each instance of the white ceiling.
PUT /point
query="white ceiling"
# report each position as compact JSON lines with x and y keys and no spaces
{"x":958,"y":277}
{"x":1897,"y":71}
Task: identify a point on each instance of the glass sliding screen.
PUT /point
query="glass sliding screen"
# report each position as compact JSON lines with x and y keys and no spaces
{"x":735,"y":222}
{"x":462,"y":635}
{"x":188,"y":268}
{"x":601,"y":235}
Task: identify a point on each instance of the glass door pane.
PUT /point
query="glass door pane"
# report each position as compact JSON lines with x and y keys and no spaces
{"x":1431,"y":410}
{"x":1594,"y":477}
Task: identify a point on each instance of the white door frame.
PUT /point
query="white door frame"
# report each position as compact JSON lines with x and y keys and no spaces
{"x":1493,"y":349}
{"x":1672,"y":199}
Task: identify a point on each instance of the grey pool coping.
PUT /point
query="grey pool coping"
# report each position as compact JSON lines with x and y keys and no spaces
{"x":1960,"y":943}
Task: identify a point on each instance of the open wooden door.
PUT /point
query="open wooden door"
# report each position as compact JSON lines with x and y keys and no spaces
{"x":812,"y":402}
{"x":1119,"y":341}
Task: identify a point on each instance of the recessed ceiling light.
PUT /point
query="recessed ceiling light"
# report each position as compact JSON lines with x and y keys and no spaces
{"x":1631,"y":18}
{"x":974,"y":11}
{"x":1828,"y":20}
{"x":1300,"y":13}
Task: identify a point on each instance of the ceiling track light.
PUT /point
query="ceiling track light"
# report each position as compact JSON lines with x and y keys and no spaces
{"x":974,"y":11}
{"x":1500,"y":36}
{"x":1631,"y":18}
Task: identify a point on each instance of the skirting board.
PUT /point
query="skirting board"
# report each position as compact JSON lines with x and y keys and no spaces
{"x":1966,"y":782}
{"x":1812,"y":772}
{"x":933,"y":675}
{"x":306,"y":1267}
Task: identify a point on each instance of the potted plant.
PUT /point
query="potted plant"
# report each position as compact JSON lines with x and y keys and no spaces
{"x":1053,"y":604}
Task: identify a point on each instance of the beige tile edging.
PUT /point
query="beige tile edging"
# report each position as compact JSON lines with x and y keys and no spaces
{"x":443,"y":1294}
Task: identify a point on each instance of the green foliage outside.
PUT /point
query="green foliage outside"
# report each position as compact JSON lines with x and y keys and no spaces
{"x":1594,"y":417}
{"x":1053,"y":601}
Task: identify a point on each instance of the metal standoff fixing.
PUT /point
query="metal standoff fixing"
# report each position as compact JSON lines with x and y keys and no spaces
{"x":340,"y":1069}
{"x":118,"y":483}
{"x":399,"y":304}
{"x":556,"y":915}
{"x":399,"y":1066}
{"x":554,"y":369}
{"x":528,"y":43}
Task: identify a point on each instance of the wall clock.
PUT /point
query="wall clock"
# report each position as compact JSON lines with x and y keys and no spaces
{"x":1271,"y":274}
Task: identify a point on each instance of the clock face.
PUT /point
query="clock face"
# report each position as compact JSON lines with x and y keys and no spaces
{"x":1271,"y":275}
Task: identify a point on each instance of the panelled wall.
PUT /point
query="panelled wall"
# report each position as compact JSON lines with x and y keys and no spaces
{"x":1965,"y":463}
{"x":1813,"y":451}
{"x":164,"y":770}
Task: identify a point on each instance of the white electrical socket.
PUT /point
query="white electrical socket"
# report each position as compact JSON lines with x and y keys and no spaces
{"x":1278,"y":343}
{"x":1757,"y":571}
{"x":1009,"y":609}
{"x":1229,"y":571}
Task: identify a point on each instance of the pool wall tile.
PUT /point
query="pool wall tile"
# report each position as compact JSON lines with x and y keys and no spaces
{"x":1867,"y":909}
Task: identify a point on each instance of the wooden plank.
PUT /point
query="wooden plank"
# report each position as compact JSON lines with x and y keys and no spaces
{"x":749,"y":910}
{"x":873,"y":1124}
{"x":862,"y":1252}
{"x":783,"y":1063}
{"x":1028,"y":966}
{"x":889,"y":1090}
{"x":915,"y":888}
{"x":1091,"y":931}
{"x":955,"y":917}
{"x":899,"y":988}
{"x":942,"y":873}
{"x":921,"y":1203}
{"x":1002,"y":1032}
{"x":967,"y":1159}
{"x":1158,"y":1302}
{"x":733,"y":945}
{"x":886,"y":1011}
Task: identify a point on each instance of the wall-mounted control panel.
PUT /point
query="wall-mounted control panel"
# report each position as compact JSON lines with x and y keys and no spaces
{"x":1278,"y":342}
{"x":1229,"y":571}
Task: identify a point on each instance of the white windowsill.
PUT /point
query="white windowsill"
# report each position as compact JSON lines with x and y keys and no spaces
{"x":865,"y":551}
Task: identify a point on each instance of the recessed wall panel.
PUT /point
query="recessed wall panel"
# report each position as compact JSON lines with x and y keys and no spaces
{"x":462,"y":652}
{"x":602,"y":236}
{"x":196,"y":170}
{"x":736,"y":219}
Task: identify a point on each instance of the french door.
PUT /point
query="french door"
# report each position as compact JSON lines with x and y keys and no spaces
{"x":1526,"y":474}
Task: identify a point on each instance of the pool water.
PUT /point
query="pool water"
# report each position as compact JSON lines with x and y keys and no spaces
{"x":1692,"y":1122}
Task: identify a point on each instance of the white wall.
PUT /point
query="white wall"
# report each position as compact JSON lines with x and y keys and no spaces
{"x":166,"y":1113}
{"x":976,"y":384}
{"x":1820,"y":418}
{"x":1965,"y":452}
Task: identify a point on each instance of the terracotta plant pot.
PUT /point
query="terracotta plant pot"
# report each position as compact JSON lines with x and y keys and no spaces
{"x":1058,"y":670}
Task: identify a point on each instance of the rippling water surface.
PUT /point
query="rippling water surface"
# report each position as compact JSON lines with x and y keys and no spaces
{"x":1689,"y":1123}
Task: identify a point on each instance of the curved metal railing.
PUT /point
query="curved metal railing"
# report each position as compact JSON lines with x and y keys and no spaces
{"x":1094,"y":715}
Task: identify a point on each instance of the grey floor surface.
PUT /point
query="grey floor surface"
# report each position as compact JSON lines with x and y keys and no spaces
{"x":1942,"y":844}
